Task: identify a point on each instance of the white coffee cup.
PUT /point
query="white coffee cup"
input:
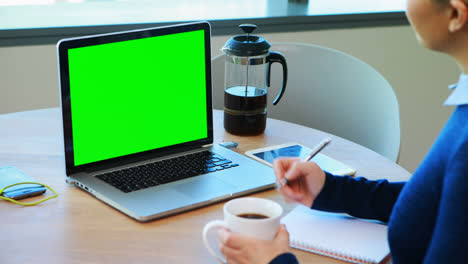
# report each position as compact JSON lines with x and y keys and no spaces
{"x":236,"y":212}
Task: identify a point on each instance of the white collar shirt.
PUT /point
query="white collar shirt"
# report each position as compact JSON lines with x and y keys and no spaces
{"x":459,"y":96}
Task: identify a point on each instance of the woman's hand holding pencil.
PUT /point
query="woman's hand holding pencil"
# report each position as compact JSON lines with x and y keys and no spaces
{"x":300,"y":181}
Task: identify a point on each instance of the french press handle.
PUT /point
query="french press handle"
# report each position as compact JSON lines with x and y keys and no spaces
{"x":277,"y":57}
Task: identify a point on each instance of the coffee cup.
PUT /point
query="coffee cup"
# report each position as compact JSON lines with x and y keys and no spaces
{"x":250,"y":216}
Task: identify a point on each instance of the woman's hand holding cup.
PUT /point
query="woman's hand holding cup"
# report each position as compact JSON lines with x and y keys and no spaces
{"x":250,"y":226}
{"x":239,"y":248}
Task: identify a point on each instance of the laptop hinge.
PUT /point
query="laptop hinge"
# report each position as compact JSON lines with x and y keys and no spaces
{"x":207,"y":145}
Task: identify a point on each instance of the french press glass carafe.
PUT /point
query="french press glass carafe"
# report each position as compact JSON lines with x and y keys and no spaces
{"x":247,"y":79}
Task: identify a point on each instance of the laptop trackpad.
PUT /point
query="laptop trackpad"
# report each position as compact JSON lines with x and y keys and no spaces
{"x":205,"y":187}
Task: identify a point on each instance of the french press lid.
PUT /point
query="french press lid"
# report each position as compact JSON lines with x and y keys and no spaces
{"x":246,"y":45}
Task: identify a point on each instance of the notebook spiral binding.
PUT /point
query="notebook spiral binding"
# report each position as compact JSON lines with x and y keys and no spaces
{"x":341,"y":254}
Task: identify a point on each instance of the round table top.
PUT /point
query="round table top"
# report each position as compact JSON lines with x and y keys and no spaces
{"x":77,"y":228}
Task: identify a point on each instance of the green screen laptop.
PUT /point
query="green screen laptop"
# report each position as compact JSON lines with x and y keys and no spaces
{"x":138,"y":125}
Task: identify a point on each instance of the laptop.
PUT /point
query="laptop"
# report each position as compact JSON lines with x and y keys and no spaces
{"x":138,"y":125}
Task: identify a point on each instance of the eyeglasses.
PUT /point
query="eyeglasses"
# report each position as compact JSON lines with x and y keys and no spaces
{"x":5,"y":189}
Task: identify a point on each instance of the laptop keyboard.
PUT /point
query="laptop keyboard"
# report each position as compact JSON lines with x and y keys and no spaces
{"x":165,"y":171}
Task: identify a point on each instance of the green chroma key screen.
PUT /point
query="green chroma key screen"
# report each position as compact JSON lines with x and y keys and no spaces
{"x":137,"y":95}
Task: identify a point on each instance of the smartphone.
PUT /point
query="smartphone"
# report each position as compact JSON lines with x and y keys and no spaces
{"x":326,"y":163}
{"x":11,"y":175}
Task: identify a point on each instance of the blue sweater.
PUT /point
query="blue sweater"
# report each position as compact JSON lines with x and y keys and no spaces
{"x":427,"y":216}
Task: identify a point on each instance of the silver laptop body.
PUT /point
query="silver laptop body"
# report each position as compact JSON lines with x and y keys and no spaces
{"x":143,"y":96}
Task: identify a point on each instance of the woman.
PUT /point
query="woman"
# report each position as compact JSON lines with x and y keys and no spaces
{"x":428,"y":215}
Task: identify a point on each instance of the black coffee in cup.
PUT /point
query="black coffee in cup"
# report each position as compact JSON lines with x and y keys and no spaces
{"x":252,"y":216}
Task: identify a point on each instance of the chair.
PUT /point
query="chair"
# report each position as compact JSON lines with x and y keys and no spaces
{"x":331,"y":91}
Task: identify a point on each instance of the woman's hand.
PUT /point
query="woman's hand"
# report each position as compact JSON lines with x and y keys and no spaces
{"x":242,"y":249}
{"x":305,"y":179}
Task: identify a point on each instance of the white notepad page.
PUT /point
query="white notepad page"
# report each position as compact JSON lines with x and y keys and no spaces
{"x":337,"y":235}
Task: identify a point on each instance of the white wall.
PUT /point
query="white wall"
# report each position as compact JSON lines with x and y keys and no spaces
{"x":28,"y":77}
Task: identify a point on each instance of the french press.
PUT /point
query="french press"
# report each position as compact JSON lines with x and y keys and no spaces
{"x":247,"y":79}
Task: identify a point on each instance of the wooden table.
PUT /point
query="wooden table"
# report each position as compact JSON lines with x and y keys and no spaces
{"x":77,"y":228}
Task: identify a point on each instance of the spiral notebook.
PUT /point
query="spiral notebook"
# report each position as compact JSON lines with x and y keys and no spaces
{"x":337,"y":235}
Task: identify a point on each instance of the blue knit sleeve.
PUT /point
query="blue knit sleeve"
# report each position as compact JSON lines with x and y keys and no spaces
{"x":358,"y":197}
{"x":285,"y":258}
{"x":449,"y":241}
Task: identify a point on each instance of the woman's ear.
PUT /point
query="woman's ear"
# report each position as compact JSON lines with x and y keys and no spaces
{"x":458,"y":16}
